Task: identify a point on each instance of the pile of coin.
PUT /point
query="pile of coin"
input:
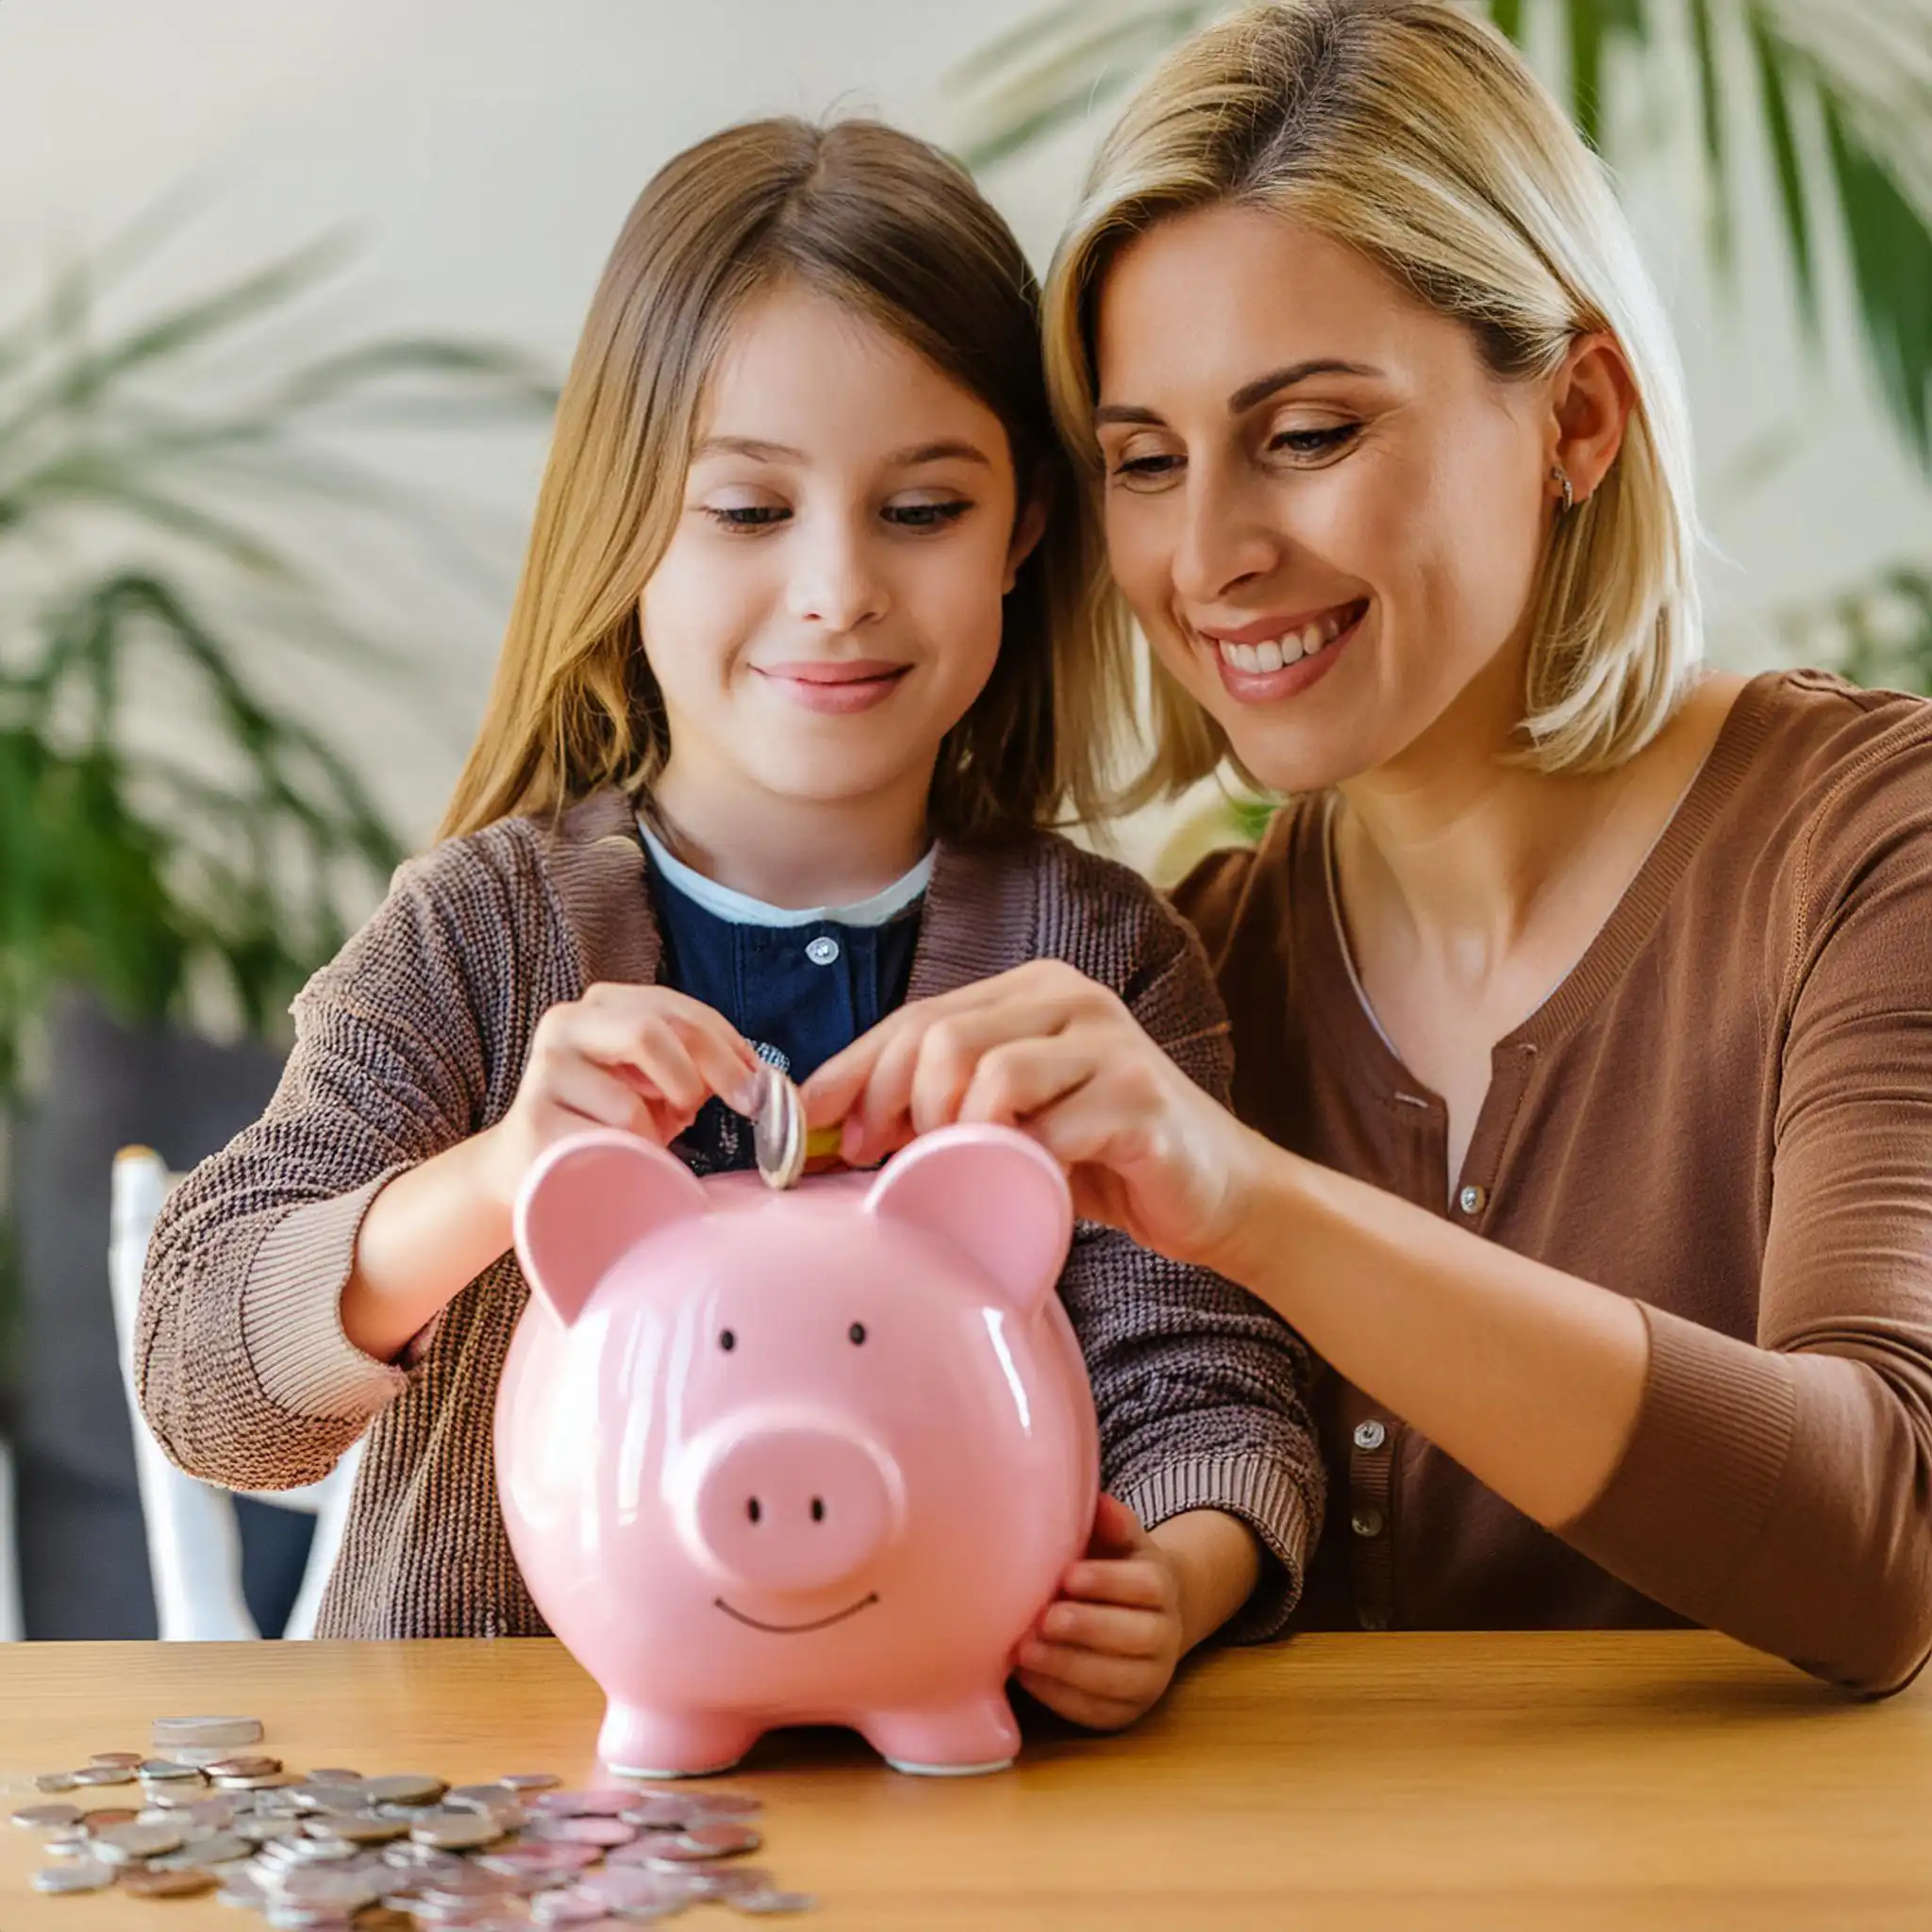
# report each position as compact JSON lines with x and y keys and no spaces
{"x":332,"y":1850}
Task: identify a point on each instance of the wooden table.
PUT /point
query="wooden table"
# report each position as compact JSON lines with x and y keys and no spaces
{"x":1336,"y":1784}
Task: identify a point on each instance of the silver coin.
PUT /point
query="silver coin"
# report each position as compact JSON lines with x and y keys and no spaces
{"x":130,"y":1844}
{"x":155,"y":1881}
{"x":243,"y":1890}
{"x":723,"y":1804}
{"x":593,"y":1803}
{"x":661,"y":1814}
{"x":758,"y":1904}
{"x":722,"y":1838}
{"x":91,"y":1774}
{"x":201,"y":1756}
{"x":628,"y":1887}
{"x":530,"y":1781}
{"x":168,"y":1771}
{"x":404,"y":1787}
{"x":422,"y":1859}
{"x":204,"y":1854}
{"x":287,"y":1916}
{"x":724,"y":1881}
{"x":455,"y":1831}
{"x":568,"y":1909}
{"x":607,"y":1833}
{"x":465,"y":1887}
{"x":356,"y":1827}
{"x":347,"y":1892}
{"x":167,"y":1732}
{"x":533,"y":1857}
{"x":777,"y":1129}
{"x":483,"y":1797}
{"x":334,"y":1774}
{"x":129,"y":1758}
{"x":90,"y":1875}
{"x":54,"y":1781}
{"x":47,"y":1817}
{"x":260,"y":1831}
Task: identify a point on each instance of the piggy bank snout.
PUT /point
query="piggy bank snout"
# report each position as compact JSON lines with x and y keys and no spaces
{"x":790,"y":1505}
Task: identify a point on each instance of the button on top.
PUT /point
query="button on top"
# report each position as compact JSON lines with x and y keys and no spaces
{"x":1473,"y":1199}
{"x":1370,"y":1434}
{"x":1366,"y":1521}
{"x":822,"y":950}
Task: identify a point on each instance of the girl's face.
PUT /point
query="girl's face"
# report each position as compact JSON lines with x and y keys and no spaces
{"x":829,"y":607}
{"x":1325,"y":512}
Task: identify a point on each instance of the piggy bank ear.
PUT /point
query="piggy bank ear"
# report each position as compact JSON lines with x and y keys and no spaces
{"x":588,"y":1199}
{"x":992,"y":1193}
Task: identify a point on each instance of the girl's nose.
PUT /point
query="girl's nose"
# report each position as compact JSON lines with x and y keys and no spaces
{"x":834,"y":585}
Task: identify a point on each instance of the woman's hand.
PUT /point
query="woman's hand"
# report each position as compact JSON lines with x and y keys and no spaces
{"x":641,"y":1057}
{"x":1046,"y":1049}
{"x":1104,"y":1651}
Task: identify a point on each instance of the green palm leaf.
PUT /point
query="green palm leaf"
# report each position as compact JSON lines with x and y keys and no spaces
{"x":1864,"y":73}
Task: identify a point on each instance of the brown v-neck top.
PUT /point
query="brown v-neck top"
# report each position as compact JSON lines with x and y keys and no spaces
{"x":1725,"y":1112}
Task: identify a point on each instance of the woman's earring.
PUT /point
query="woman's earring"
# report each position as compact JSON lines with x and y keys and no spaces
{"x":1560,"y":477}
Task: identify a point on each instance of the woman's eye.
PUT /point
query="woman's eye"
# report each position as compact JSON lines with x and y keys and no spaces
{"x":1314,"y":442}
{"x":746,"y":516}
{"x":1147,"y":469}
{"x":925,"y":516}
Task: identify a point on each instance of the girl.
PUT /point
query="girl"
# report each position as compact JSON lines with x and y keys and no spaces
{"x":803,"y":660}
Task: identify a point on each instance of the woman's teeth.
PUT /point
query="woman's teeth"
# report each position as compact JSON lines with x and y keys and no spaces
{"x":1290,"y":647}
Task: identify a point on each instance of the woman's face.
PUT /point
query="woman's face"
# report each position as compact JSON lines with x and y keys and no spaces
{"x":829,"y":606}
{"x":1324,"y":511}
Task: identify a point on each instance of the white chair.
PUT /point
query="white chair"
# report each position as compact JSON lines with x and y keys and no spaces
{"x":13,"y":1619}
{"x":193,"y":1542}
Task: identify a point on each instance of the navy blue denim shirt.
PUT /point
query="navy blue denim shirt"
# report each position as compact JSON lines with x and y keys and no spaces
{"x":799,"y":987}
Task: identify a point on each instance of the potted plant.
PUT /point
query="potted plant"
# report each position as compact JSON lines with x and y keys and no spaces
{"x":179,"y":849}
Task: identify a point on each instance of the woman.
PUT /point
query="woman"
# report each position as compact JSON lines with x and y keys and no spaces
{"x":1582,"y":1004}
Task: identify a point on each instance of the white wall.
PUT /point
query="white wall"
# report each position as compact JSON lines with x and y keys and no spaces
{"x":484,"y":150}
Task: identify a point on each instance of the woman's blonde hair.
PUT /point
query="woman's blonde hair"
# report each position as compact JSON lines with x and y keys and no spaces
{"x":1415,"y":134}
{"x":895,"y":230}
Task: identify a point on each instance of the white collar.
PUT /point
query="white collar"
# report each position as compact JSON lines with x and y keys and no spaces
{"x":740,"y":908}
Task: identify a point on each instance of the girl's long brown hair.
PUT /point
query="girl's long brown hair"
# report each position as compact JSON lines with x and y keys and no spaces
{"x":892,"y":227}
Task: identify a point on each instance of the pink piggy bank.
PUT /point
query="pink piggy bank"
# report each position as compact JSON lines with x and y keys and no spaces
{"x":816,"y":1456}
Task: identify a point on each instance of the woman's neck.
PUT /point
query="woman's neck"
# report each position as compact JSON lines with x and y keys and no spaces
{"x":1454,"y":853}
{"x":793,"y":853}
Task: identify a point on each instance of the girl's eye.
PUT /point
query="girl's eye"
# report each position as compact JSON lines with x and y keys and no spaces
{"x":746,"y":516}
{"x":1314,"y":442}
{"x":925,"y":516}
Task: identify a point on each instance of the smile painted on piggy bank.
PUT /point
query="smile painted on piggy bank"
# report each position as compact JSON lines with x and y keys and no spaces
{"x":813,"y":1456}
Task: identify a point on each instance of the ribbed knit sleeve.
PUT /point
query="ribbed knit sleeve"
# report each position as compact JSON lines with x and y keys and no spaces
{"x":1782,"y":1491}
{"x":1202,"y":1389}
{"x":242,"y":1368}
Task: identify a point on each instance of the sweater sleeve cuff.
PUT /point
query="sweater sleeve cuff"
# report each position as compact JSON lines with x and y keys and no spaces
{"x":292,"y":1320}
{"x":1261,"y":1493}
{"x":1712,"y":1434}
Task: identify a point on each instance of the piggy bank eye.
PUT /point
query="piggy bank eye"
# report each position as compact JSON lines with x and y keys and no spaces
{"x":727,"y":1340}
{"x":857,"y":1333}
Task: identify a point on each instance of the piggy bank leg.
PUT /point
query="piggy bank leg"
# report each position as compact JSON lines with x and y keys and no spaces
{"x":660,"y":1743}
{"x":948,"y":1740}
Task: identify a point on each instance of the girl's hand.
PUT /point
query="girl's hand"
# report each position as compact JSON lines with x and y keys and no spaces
{"x":1105,"y":1650}
{"x":641,"y":1057}
{"x":1044,"y":1048}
